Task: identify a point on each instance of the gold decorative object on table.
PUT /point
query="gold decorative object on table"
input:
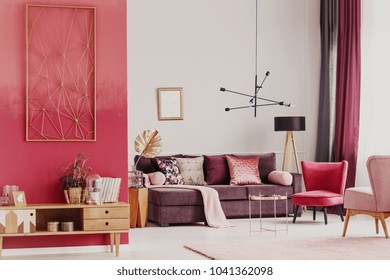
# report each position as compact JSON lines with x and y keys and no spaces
{"x":148,"y":144}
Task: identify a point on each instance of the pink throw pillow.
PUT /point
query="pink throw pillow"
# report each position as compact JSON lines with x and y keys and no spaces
{"x":146,"y":180}
{"x":156,"y":178}
{"x":280,"y":178}
{"x":244,"y":170}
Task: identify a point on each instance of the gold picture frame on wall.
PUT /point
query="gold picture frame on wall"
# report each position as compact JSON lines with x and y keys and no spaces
{"x":170,"y":103}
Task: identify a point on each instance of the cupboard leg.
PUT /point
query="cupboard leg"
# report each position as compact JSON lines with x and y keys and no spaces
{"x":117,"y":242}
{"x":112,"y":239}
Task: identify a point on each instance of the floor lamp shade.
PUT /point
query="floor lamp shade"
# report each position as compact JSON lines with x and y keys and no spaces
{"x":290,"y":124}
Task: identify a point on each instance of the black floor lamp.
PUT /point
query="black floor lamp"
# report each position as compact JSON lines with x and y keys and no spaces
{"x":290,"y":124}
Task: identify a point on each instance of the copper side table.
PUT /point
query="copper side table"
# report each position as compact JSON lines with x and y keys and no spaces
{"x":275,"y":198}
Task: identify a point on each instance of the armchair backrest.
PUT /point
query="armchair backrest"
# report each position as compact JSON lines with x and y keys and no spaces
{"x":329,"y":176}
{"x":378,"y":168}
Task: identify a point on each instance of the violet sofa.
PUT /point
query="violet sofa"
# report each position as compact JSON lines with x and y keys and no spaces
{"x":169,"y":206}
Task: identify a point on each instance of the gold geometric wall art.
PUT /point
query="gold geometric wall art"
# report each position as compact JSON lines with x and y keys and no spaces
{"x":60,"y":73}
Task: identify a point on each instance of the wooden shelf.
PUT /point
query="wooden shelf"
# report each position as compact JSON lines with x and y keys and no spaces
{"x":63,"y":206}
{"x":31,"y":220}
{"x":75,"y":232}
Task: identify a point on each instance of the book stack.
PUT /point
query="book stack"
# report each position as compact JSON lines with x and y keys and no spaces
{"x":108,"y":188}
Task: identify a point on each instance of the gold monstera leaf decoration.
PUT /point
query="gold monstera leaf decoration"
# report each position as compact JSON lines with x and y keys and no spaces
{"x":148,"y":144}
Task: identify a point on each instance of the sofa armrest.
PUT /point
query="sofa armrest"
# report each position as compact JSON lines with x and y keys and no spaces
{"x":297,"y":183}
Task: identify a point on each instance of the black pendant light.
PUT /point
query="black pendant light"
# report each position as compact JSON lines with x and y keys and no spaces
{"x":254,"y":98}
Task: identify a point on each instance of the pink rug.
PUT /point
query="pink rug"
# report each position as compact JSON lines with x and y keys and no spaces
{"x":347,"y":248}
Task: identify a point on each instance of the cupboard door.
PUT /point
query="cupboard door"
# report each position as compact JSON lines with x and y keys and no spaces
{"x":17,"y":221}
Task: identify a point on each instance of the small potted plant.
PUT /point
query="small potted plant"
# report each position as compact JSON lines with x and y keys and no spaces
{"x":73,"y":179}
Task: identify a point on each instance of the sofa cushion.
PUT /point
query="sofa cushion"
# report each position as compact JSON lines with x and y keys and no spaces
{"x":155,"y":178}
{"x":171,"y":170}
{"x":227,"y":192}
{"x":216,"y":170}
{"x":166,"y":196}
{"x":147,"y":182}
{"x":149,"y":165}
{"x":244,"y":170}
{"x":280,"y":178}
{"x":192,"y":170}
{"x":269,"y":189}
{"x":267,"y":163}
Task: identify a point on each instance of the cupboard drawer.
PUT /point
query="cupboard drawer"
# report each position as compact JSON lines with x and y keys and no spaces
{"x":106,"y":213}
{"x":107,"y":224}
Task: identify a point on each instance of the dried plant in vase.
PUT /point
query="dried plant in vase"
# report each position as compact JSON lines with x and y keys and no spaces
{"x":73,"y":179}
{"x":148,"y":144}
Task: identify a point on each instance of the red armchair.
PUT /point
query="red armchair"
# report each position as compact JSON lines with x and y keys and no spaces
{"x":325,"y":185}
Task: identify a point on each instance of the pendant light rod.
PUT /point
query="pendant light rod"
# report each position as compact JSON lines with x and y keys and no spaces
{"x":254,"y":98}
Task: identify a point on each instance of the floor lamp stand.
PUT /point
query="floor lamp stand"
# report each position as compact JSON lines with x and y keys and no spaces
{"x":290,"y":142}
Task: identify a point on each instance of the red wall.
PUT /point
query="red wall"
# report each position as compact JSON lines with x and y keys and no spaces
{"x":34,"y":166}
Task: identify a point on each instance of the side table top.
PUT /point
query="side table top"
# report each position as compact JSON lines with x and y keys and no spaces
{"x":267,"y":197}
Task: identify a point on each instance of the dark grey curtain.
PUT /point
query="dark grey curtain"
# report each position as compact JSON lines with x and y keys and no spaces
{"x":327,"y":98}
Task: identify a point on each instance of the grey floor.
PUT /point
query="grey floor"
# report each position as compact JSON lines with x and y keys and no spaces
{"x":166,"y":243}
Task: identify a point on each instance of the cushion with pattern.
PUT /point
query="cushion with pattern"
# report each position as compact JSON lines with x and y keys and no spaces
{"x":171,"y":170}
{"x":192,"y":170}
{"x":244,"y":170}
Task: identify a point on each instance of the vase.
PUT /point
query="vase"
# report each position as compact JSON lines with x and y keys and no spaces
{"x":135,"y":178}
{"x":74,"y":195}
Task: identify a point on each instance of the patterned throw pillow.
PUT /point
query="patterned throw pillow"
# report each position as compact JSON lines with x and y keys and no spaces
{"x":244,"y":170}
{"x":192,"y":170}
{"x":171,"y":170}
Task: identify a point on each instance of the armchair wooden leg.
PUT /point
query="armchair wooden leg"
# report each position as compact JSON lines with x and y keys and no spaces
{"x":382,"y":217}
{"x":340,"y":210}
{"x":325,"y":216}
{"x":376,"y":225}
{"x":295,"y":212}
{"x":346,"y":222}
{"x":314,"y":213}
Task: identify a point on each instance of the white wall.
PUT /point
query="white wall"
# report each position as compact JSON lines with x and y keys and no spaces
{"x":374,"y":131}
{"x":205,"y":44}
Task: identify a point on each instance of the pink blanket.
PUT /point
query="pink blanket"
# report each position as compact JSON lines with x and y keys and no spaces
{"x":213,"y":212}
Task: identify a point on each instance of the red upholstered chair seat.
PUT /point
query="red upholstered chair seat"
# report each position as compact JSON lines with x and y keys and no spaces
{"x":317,"y":198}
{"x":325,"y":185}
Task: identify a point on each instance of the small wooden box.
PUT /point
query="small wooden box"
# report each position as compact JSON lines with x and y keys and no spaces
{"x":67,"y":226}
{"x":53,"y":226}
